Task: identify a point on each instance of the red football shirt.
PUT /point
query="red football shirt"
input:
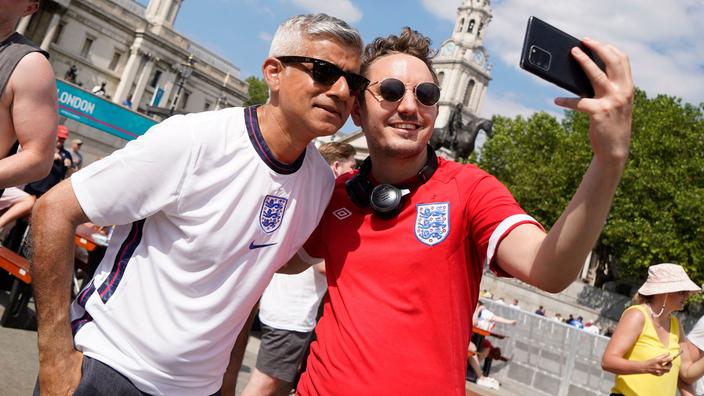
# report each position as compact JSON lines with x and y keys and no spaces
{"x":402,"y":291}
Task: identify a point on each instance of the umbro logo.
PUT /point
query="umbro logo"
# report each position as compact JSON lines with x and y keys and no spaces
{"x":341,"y":213}
{"x":253,"y":245}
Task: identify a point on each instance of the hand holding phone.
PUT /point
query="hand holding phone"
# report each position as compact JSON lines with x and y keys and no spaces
{"x":547,"y":54}
{"x":672,"y":359}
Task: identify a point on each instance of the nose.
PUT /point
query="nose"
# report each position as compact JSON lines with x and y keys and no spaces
{"x":408,"y":102}
{"x":340,"y":88}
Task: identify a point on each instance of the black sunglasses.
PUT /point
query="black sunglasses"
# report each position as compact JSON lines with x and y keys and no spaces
{"x":327,"y":73}
{"x":393,"y":90}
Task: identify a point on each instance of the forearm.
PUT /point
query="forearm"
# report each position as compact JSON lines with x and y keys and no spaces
{"x":620,"y":366}
{"x":692,"y":372}
{"x":52,"y":268}
{"x":562,"y":253}
{"x":24,"y":167}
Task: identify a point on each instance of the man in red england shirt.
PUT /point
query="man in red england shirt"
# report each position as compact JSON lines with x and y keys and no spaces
{"x":404,"y":280}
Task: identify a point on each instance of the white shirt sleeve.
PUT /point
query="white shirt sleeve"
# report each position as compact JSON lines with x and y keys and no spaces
{"x":139,"y":180}
{"x":696,"y":335}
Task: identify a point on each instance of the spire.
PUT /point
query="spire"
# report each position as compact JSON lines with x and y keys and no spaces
{"x":472,"y":18}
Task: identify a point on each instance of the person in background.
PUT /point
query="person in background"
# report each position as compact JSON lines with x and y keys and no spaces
{"x":695,"y":347}
{"x":15,"y":204}
{"x":540,"y":311}
{"x":28,"y":107}
{"x":99,"y":89}
{"x":76,"y":155}
{"x":644,"y":351}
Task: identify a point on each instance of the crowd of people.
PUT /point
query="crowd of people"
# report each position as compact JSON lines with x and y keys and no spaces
{"x":578,"y":321}
{"x":221,"y":201}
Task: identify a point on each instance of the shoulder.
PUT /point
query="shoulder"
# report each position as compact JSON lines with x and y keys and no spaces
{"x":32,"y":74}
{"x":33,"y":65}
{"x":463,"y":173}
{"x":634,"y":314}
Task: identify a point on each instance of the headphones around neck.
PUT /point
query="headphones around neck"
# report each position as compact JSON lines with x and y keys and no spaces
{"x":385,"y":199}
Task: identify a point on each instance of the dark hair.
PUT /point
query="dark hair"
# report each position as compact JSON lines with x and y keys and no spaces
{"x":409,"y":42}
{"x":336,"y":151}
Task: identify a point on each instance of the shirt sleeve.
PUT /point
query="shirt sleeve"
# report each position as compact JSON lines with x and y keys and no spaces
{"x":312,"y":251}
{"x":696,"y":335}
{"x":493,"y":213}
{"x":139,"y":180}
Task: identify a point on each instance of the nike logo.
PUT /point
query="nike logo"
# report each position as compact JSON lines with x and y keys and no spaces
{"x":253,"y":246}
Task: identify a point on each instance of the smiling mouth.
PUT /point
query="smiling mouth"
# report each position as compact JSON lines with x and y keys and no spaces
{"x":406,"y":126}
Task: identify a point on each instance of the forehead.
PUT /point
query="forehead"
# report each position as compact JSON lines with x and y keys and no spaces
{"x":345,"y":56}
{"x":406,"y":68}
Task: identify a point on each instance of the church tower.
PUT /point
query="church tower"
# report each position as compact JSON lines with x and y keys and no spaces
{"x":163,"y":12}
{"x":462,"y":63}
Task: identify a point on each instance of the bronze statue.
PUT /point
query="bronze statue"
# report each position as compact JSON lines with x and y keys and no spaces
{"x":459,"y":138}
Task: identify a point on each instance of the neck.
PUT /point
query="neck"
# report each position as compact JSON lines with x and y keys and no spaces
{"x":393,"y":170}
{"x":279,"y":135}
{"x":6,"y":29}
{"x":659,"y":310}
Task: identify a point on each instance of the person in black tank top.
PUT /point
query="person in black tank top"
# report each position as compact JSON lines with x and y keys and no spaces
{"x":28,"y":108}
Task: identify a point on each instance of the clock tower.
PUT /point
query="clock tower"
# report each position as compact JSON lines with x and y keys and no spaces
{"x":462,"y":63}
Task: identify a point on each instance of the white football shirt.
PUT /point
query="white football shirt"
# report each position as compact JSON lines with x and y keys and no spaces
{"x":205,"y":215}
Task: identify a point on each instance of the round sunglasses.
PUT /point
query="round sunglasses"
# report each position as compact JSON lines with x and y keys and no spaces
{"x":327,"y":73}
{"x":393,"y":90}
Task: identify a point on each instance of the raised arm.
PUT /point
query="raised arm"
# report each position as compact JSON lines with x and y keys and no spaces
{"x":34,"y":116}
{"x":552,"y":261}
{"x":54,"y":222}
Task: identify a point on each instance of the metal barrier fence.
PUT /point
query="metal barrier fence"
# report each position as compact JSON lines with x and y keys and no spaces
{"x":549,"y":358}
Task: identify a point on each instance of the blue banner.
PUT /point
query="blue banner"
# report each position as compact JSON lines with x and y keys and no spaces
{"x":100,"y":113}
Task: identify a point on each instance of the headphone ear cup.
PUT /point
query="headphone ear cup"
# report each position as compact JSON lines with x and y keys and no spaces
{"x":358,"y":189}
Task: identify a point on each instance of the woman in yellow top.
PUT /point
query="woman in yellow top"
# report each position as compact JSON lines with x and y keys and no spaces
{"x":644,"y":351}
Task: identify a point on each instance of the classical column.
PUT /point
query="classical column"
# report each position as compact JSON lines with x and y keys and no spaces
{"x":169,"y":79}
{"x":51,"y":32}
{"x":128,"y":75}
{"x":22,"y":25}
{"x":142,"y":82}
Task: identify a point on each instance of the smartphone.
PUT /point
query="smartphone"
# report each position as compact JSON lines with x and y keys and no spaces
{"x":676,"y":355}
{"x":546,"y":53}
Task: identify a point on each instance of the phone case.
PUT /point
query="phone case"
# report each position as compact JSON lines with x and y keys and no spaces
{"x":560,"y":67}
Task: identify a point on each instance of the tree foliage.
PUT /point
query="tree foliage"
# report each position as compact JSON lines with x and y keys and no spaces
{"x":258,"y":91}
{"x":658,"y":211}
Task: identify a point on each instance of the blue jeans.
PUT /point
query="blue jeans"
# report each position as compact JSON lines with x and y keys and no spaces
{"x":97,"y":378}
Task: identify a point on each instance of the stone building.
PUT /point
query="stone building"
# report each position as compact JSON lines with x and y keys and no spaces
{"x":462,"y":64}
{"x":145,"y":64}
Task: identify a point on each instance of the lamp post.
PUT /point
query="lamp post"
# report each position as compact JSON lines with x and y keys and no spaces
{"x":184,"y":70}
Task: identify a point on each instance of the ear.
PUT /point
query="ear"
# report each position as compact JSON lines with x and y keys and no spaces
{"x":357,"y":110}
{"x":335,"y":168}
{"x":272,"y":70}
{"x":31,"y":8}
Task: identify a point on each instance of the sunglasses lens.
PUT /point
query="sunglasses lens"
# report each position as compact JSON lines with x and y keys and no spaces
{"x":356,"y":83}
{"x":326,"y":73}
{"x":392,"y":89}
{"x":427,"y":93}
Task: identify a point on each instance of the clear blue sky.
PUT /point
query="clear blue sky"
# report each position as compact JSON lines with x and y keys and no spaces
{"x":662,"y":38}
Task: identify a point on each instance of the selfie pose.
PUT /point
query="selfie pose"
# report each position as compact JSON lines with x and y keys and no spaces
{"x":405,"y":273}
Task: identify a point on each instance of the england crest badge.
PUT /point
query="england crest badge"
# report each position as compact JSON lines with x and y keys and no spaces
{"x":432,"y":222}
{"x":272,"y":213}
